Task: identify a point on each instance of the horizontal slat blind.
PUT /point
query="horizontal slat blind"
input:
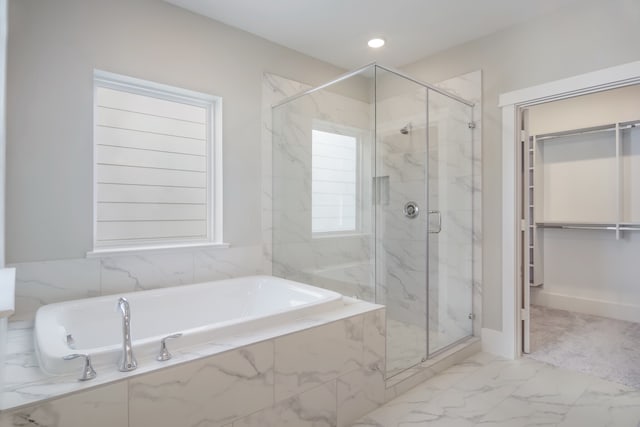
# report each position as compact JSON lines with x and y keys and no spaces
{"x":147,"y":230}
{"x":151,"y":169}
{"x":334,"y":182}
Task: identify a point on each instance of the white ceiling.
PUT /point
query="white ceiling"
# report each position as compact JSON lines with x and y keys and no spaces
{"x":337,"y":31}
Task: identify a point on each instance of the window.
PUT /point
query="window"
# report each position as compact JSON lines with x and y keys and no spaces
{"x":334,"y":182}
{"x":157,"y":171}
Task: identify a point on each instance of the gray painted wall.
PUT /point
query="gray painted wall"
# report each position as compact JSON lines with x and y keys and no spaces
{"x":53,"y":49}
{"x":3,"y":75}
{"x":54,"y":46}
{"x":590,"y":36}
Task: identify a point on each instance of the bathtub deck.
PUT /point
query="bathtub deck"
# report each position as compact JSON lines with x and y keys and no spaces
{"x":25,"y":384}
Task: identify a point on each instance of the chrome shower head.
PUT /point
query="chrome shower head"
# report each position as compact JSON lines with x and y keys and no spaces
{"x":406,"y":129}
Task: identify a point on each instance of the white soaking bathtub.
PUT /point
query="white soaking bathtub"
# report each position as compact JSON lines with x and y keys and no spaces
{"x":202,"y":313}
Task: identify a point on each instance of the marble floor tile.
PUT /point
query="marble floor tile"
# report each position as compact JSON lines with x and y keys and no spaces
{"x":520,"y":412}
{"x":605,"y":404}
{"x":488,"y":391}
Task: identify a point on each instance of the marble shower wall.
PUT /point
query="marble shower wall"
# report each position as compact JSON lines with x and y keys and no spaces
{"x":339,"y":262}
{"x":274,"y":89}
{"x":327,"y":375}
{"x":40,"y":283}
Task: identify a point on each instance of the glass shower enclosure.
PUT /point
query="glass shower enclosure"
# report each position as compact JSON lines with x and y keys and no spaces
{"x":372,"y":197}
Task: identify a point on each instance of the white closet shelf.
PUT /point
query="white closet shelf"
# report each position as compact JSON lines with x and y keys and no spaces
{"x":592,"y":129}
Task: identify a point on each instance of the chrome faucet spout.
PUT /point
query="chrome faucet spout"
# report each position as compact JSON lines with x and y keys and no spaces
{"x":127,"y":361}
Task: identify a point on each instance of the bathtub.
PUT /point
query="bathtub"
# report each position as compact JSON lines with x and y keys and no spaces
{"x":202,"y":313}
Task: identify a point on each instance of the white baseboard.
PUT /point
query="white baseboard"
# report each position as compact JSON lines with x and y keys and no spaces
{"x":613,"y":310}
{"x":495,"y":342}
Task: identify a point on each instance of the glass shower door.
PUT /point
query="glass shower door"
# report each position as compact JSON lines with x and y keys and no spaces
{"x":450,"y":226}
{"x":423,"y":219}
{"x":401,"y":217}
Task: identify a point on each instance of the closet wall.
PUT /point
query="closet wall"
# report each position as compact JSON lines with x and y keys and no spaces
{"x":586,"y":199}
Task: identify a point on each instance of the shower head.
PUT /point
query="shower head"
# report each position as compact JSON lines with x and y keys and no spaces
{"x":406,"y":129}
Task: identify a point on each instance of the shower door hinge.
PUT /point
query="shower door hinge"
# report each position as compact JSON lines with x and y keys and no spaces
{"x":472,"y":316}
{"x":472,"y":125}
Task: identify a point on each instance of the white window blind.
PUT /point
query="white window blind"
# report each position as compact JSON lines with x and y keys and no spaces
{"x":153,"y":161}
{"x":334,"y":182}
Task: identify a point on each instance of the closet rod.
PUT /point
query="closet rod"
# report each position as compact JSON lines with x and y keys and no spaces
{"x":588,"y":227}
{"x":593,"y":129}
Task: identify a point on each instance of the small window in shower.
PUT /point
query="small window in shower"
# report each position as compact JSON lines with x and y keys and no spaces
{"x":335,"y":165}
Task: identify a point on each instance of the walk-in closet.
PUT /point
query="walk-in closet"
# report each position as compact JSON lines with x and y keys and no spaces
{"x":581,"y":233}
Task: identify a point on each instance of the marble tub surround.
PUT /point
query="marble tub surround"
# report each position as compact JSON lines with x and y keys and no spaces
{"x":26,"y":385}
{"x":46,"y":282}
{"x":485,"y":390}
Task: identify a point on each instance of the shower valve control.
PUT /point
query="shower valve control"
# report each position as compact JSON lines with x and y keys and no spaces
{"x":411,"y":209}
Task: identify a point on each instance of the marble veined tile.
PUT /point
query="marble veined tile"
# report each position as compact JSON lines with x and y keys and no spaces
{"x":359,"y":392}
{"x":374,"y":340}
{"x":21,"y":364}
{"x":312,"y":357}
{"x":468,"y":396}
{"x":130,"y":273}
{"x":554,"y":385}
{"x":274,"y":89}
{"x":209,"y":392}
{"x":605,"y":404}
{"x":101,"y":407}
{"x":313,"y":408}
{"x":518,"y":412}
{"x":404,"y":167}
{"x":40,"y":283}
{"x":225,"y":263}
{"x":420,"y":406}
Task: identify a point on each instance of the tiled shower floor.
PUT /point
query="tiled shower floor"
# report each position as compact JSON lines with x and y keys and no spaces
{"x":489,"y":391}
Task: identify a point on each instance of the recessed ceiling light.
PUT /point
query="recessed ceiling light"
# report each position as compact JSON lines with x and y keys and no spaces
{"x":376,"y":43}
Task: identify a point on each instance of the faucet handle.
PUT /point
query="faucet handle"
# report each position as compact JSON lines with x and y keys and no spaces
{"x":164,"y":352}
{"x":88,"y":373}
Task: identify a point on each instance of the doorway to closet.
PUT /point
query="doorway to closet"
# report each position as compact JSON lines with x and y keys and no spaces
{"x":580,"y":233}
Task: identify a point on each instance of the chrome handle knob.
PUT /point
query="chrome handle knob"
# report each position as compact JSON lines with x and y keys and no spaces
{"x":164,"y":354}
{"x":88,"y":373}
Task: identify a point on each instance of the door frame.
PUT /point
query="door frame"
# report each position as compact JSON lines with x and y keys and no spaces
{"x":508,"y":342}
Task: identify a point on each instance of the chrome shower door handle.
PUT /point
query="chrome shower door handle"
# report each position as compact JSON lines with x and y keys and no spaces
{"x":439,"y":226}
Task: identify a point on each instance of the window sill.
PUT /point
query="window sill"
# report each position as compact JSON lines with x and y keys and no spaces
{"x":134,"y":250}
{"x":330,"y":235}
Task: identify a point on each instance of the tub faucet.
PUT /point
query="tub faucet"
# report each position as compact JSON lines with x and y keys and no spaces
{"x":127,"y":359}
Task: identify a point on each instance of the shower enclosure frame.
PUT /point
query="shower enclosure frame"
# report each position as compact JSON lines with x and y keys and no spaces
{"x":360,"y":70}
{"x":428,"y":87}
